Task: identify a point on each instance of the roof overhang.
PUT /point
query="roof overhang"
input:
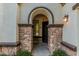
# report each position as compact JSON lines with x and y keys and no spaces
{"x":75,"y":6}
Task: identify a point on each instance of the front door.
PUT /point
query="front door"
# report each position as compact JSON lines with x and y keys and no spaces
{"x":45,"y":32}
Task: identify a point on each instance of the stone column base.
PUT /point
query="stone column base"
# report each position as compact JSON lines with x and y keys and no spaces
{"x":54,"y":36}
{"x":25,"y":37}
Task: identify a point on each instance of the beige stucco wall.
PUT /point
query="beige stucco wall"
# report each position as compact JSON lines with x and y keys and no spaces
{"x":56,"y":9}
{"x":70,"y":29}
{"x":78,"y":31}
{"x":1,"y":19}
{"x":8,"y":22}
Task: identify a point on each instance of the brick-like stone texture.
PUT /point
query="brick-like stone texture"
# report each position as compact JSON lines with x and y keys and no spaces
{"x":54,"y":38}
{"x":25,"y":35}
{"x":8,"y":50}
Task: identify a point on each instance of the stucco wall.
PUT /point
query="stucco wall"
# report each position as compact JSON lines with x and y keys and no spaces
{"x":1,"y":18}
{"x":56,"y":9}
{"x":78,"y":31}
{"x":70,"y":29}
{"x":8,"y":23}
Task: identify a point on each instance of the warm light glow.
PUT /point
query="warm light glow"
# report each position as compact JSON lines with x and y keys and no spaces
{"x":37,"y":34}
{"x":66,"y":19}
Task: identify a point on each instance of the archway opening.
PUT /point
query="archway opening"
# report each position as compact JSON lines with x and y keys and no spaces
{"x":41,"y":10}
{"x":40,"y":30}
{"x":40,"y":17}
{"x":40,"y":33}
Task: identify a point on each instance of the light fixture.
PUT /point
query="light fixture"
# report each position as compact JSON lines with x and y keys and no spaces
{"x":65,"y":19}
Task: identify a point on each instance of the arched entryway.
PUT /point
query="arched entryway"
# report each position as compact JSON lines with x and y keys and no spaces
{"x":40,"y":34}
{"x":40,"y":30}
{"x":41,"y":10}
{"x":44,"y":17}
{"x":40,"y":17}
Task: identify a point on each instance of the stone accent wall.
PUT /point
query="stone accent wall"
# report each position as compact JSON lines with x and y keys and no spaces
{"x":54,"y":36}
{"x":25,"y":35}
{"x":8,"y":50}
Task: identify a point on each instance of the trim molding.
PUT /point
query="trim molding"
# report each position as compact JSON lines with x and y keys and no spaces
{"x":9,"y":44}
{"x":75,"y":6}
{"x":25,"y":25}
{"x":55,"y":25}
{"x":68,"y":45}
{"x":44,"y":8}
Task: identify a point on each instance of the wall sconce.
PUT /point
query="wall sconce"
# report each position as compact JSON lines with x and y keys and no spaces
{"x":65,"y":19}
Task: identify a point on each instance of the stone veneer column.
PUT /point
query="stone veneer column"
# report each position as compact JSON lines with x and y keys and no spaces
{"x":25,"y":36}
{"x":54,"y":36}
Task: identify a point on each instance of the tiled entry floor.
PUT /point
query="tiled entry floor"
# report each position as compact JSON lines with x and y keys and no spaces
{"x":41,"y":49}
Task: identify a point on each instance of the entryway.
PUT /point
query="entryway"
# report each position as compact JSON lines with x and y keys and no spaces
{"x":40,"y":35}
{"x":39,"y":38}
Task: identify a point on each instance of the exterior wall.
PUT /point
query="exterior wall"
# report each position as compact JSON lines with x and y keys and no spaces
{"x":56,"y":9}
{"x":8,"y":28}
{"x":78,"y":31}
{"x":8,"y":50}
{"x":70,"y":29}
{"x":1,"y":19}
{"x":8,"y":23}
{"x":8,"y":13}
{"x":58,"y":12}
